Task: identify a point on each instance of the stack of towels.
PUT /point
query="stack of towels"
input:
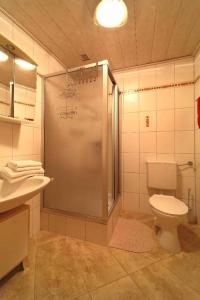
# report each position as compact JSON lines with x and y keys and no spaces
{"x":18,"y":170}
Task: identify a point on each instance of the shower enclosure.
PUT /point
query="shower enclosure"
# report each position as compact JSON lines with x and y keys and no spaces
{"x":81,"y":141}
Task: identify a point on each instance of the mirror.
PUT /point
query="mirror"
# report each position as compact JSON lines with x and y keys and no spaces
{"x":24,"y":93}
{"x":18,"y":76}
{"x":6,"y":79}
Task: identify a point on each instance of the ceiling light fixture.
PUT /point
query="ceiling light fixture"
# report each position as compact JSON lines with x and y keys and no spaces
{"x":111,"y":13}
{"x":3,"y":56}
{"x":24,"y":64}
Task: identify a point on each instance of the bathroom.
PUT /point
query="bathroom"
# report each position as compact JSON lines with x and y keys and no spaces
{"x":106,"y":133}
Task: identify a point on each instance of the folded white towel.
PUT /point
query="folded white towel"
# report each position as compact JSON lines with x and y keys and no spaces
{"x":24,"y":163}
{"x":15,"y":180}
{"x":9,"y":173}
{"x":23,"y":168}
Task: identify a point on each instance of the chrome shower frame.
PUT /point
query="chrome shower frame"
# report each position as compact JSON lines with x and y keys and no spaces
{"x":107,"y":74}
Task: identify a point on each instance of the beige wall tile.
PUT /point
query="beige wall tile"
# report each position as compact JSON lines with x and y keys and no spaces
{"x":57,"y":224}
{"x":165,"y":98}
{"x":5,"y":139}
{"x":165,"y":120}
{"x":22,"y":40}
{"x":131,"y":103}
{"x":131,"y":80}
{"x":144,"y":204}
{"x":36,"y":141}
{"x":22,"y":140}
{"x":96,"y":233}
{"x":131,"y":142}
{"x":54,"y":65}
{"x":131,"y":122}
{"x":131,"y":182}
{"x":184,"y":96}
{"x":148,"y":142}
{"x":147,"y":100}
{"x":131,"y":202}
{"x":147,"y":77}
{"x":184,"y":70}
{"x":165,"y":142}
{"x":75,"y":228}
{"x":131,"y":162}
{"x":41,"y":57}
{"x":165,"y":74}
{"x":184,"y":142}
{"x":184,"y":119}
{"x":6,"y":26}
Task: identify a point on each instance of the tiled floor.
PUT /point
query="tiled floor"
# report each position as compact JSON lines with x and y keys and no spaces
{"x":62,"y":268}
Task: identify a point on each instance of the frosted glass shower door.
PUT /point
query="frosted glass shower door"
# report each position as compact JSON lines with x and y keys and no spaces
{"x":73,"y":145}
{"x":113,"y":144}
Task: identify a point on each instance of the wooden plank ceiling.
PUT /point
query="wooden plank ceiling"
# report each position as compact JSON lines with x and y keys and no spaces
{"x":157,"y":30}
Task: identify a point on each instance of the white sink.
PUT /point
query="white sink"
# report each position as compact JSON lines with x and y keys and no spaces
{"x":14,"y":195}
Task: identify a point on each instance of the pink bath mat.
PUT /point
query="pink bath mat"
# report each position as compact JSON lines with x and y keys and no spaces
{"x":132,"y":235}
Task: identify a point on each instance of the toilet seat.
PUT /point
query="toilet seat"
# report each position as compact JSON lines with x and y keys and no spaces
{"x":168,"y":205}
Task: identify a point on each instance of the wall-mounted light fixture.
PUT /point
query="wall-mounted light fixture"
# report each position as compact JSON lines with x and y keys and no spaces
{"x":3,"y":56}
{"x":24,"y":64}
{"x":111,"y":13}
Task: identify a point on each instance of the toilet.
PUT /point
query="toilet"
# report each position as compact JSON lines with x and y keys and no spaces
{"x":169,"y":211}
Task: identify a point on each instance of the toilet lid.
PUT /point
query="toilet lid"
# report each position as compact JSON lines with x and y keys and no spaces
{"x":168,"y":204}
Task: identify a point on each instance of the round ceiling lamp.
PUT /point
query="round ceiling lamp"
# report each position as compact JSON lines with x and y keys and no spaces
{"x":111,"y":13}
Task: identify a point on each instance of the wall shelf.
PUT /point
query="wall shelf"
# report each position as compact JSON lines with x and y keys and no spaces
{"x":10,"y":120}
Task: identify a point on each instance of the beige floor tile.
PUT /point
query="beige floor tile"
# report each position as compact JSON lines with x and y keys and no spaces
{"x":98,"y":266}
{"x":29,"y":261}
{"x":83,"y":297}
{"x":122,"y":289}
{"x":59,"y":267}
{"x":158,"y":283}
{"x":57,"y":272}
{"x":68,"y":267}
{"x":43,"y":237}
{"x":186,"y":266}
{"x":132,"y":261}
{"x":19,"y":287}
{"x":189,"y":237}
{"x":158,"y":253}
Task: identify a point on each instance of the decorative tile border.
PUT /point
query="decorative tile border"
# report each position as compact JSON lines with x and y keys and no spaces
{"x":179,"y":84}
{"x":2,"y":102}
{"x":197,"y":79}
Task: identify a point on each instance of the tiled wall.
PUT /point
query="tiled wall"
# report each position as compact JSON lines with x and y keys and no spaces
{"x":197,"y":132}
{"x":24,"y":142}
{"x":163,"y":96}
{"x":81,"y":228}
{"x":25,"y":98}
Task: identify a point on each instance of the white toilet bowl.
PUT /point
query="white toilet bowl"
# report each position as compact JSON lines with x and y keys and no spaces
{"x":169,"y":213}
